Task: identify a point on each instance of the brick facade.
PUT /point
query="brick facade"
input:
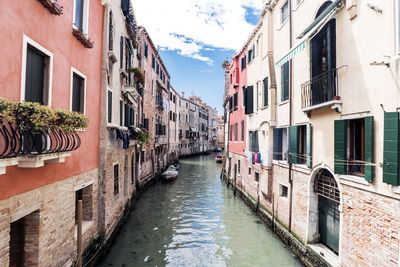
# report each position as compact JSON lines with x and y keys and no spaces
{"x":50,"y":221}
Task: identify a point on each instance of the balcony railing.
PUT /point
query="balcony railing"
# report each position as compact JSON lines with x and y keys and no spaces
{"x":160,"y":102}
{"x":320,"y":89}
{"x":14,"y":142}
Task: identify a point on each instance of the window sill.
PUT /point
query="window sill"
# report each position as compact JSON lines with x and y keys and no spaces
{"x":52,"y":6}
{"x":265,"y":107}
{"x":85,"y":226}
{"x":396,"y":189}
{"x":283,"y":24}
{"x":299,"y":4}
{"x":355,"y":179}
{"x":284,"y":102}
{"x":82,"y":37}
{"x":280,"y":162}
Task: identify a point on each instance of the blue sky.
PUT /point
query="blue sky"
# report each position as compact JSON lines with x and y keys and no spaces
{"x":195,"y":37}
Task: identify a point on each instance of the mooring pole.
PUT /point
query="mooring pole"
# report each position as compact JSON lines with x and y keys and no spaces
{"x":79,"y":237}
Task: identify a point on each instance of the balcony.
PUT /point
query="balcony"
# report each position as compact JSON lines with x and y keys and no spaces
{"x":31,"y":149}
{"x":159,"y":102}
{"x":32,"y":134}
{"x":321,"y":91}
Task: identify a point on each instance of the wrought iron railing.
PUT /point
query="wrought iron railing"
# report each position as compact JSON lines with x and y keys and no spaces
{"x":320,"y":89}
{"x":15,"y":142}
{"x":159,"y":102}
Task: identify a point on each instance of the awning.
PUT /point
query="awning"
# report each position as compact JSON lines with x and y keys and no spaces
{"x":193,"y":129}
{"x":311,"y":31}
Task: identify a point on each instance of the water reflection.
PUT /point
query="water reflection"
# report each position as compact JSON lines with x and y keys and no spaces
{"x":195,"y":221}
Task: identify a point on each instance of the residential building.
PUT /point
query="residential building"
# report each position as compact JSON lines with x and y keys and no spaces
{"x":194,"y":143}
{"x":184,"y":127}
{"x":42,"y":179}
{"x":173,"y":138}
{"x":155,"y":107}
{"x":238,"y":101}
{"x":220,"y":132}
{"x":120,"y":113}
{"x":326,"y":138}
{"x":212,"y":128}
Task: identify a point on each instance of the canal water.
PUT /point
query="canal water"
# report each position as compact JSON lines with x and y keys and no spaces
{"x":195,"y":221}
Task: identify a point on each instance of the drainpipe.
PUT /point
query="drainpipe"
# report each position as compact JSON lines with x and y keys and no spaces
{"x":290,"y":114}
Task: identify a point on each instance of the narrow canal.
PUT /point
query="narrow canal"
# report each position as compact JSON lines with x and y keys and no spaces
{"x":195,"y":221}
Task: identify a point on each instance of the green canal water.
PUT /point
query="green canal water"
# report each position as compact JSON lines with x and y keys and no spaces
{"x":195,"y":221}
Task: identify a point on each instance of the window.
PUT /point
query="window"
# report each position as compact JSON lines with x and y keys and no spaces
{"x":86,"y":195}
{"x":230,"y":133}
{"x":284,"y":12}
{"x":78,"y":89}
{"x":285,"y":82}
{"x":242,"y":134}
{"x":253,"y":141}
{"x":243,"y":63}
{"x":81,"y":15}
{"x":142,"y":157}
{"x":243,"y":98}
{"x":146,"y":50}
{"x":153,"y":62}
{"x":235,"y":101}
{"x":121,"y":112}
{"x":236,"y":131}
{"x":249,"y":171}
{"x":36,"y":73}
{"x":116,"y":179}
{"x":249,"y":98}
{"x":298,"y":144}
{"x":238,"y":166}
{"x":283,"y":190}
{"x":280,"y":144}
{"x":356,"y":139}
{"x":354,"y":147}
{"x":121,"y":52}
{"x":110,"y":33}
{"x":266,"y":92}
{"x":256,"y":177}
{"x":109,"y":106}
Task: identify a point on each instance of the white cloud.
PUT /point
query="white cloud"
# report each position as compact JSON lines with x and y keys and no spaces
{"x":194,"y":26}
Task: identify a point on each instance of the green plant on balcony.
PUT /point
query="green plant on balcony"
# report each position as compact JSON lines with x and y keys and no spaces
{"x":30,"y":116}
{"x":137,"y":72}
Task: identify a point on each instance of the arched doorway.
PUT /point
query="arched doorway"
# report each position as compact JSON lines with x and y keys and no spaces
{"x":328,"y":209}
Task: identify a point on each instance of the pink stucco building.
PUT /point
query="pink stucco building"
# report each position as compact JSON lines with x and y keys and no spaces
{"x":237,"y":117}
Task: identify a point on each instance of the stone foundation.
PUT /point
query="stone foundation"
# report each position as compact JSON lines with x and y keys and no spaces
{"x":49,"y":214}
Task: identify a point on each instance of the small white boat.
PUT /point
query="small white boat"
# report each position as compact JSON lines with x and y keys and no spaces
{"x":218,"y":158}
{"x":170,"y":174}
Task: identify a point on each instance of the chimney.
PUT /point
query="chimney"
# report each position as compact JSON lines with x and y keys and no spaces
{"x":183,"y":94}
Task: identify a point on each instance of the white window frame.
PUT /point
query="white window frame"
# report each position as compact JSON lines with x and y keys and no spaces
{"x":281,"y":185}
{"x":25,"y":41}
{"x":85,"y":16}
{"x":281,"y":20}
{"x":83,"y":76}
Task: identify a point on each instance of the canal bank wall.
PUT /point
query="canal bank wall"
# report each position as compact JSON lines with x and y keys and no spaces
{"x":100,"y":246}
{"x":303,"y":252}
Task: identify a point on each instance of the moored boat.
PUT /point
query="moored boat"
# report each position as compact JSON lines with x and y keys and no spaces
{"x":170,"y":174}
{"x":218,"y":158}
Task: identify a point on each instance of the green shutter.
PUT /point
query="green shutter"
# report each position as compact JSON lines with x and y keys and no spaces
{"x":309,"y":146}
{"x":391,"y":148}
{"x":340,"y":146}
{"x":369,"y":148}
{"x":266,"y":92}
{"x":294,"y":144}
